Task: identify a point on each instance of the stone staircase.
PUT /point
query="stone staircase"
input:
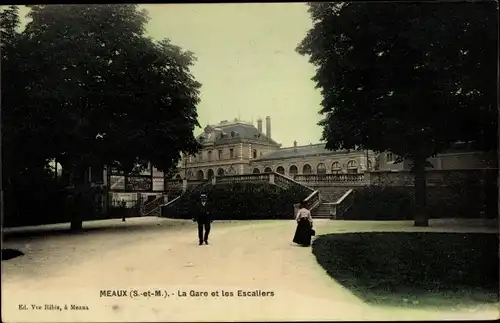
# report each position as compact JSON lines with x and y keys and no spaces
{"x":321,"y":212}
{"x":321,"y":202}
{"x":326,"y":196}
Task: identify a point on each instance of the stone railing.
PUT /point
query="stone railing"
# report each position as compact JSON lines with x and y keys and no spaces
{"x":330,"y":178}
{"x":172,"y":201}
{"x":284,"y":181}
{"x":266,"y":177}
{"x":152,"y":206}
{"x":433,"y":177}
{"x":312,"y":201}
{"x":338,"y":208}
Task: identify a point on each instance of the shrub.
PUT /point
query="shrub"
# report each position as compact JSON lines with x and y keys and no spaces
{"x":397,"y":202}
{"x":381,"y":203}
{"x":389,"y":267}
{"x":240,"y":201}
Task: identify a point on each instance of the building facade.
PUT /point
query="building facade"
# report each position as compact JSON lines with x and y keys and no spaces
{"x":238,"y":147}
{"x":459,"y":157}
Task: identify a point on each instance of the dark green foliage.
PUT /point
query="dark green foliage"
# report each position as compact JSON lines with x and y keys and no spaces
{"x":381,"y":203}
{"x":240,"y":201}
{"x":398,"y":202}
{"x":84,"y":84}
{"x":410,"y":78}
{"x":390,"y":267}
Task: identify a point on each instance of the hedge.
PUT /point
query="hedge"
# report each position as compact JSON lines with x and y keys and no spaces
{"x":398,"y":202}
{"x":240,"y":201}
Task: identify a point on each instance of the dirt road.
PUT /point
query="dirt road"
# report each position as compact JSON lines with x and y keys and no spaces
{"x":103,"y":272}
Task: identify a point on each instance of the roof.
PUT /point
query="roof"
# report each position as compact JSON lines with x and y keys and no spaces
{"x":229,"y":130}
{"x":290,"y":152}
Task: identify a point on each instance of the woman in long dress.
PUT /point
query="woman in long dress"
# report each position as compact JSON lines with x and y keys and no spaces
{"x":304,"y":227}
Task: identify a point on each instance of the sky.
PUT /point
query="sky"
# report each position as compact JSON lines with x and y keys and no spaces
{"x":247,"y":63}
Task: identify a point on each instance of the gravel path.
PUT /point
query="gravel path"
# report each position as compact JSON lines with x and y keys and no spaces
{"x":152,"y":254}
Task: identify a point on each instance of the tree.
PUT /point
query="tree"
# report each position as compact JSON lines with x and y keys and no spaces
{"x":410,"y":78}
{"x":104,"y":93}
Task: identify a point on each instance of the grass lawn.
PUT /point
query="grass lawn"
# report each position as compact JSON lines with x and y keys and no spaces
{"x":413,"y":269}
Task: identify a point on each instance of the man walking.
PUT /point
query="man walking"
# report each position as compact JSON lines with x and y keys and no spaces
{"x":204,"y":217}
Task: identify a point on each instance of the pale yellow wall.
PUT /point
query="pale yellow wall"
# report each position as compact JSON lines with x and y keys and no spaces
{"x":314,"y":161}
{"x":446,"y":161}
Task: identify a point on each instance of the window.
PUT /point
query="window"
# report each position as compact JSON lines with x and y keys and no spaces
{"x":231,"y":153}
{"x":255,"y":153}
{"x":256,"y":171}
{"x":389,"y":157}
{"x":336,"y":169}
{"x":352,"y":167}
{"x":220,"y":154}
{"x":280,"y":170}
{"x":261,"y":154}
{"x":306,"y":169}
{"x":209,"y":155}
{"x":200,"y":156}
{"x":268,"y":170}
{"x":293,"y":170}
{"x":321,"y":169}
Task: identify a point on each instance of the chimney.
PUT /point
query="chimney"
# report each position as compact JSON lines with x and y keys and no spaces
{"x":268,"y":127}
{"x":259,"y":124}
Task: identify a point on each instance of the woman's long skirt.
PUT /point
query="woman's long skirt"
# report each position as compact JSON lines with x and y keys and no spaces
{"x":303,"y":233}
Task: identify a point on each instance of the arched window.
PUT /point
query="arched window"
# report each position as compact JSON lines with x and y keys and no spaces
{"x":268,"y":170}
{"x":336,"y":169}
{"x":369,"y":165}
{"x":321,"y":169}
{"x":255,"y":153}
{"x":199,"y":175}
{"x":293,"y":170}
{"x":209,"y":155}
{"x":280,"y":170}
{"x":210,"y":174}
{"x":352,"y":167}
{"x":189,"y":174}
{"x":256,"y":171}
{"x":178,"y":176}
{"x":306,"y":169}
{"x":220,"y":172}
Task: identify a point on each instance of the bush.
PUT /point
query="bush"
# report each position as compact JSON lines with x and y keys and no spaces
{"x":432,"y":268}
{"x":381,"y":203}
{"x":397,"y":202}
{"x":240,"y":201}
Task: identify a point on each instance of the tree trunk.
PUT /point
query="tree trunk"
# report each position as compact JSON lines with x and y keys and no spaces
{"x":80,"y":183}
{"x":421,"y":218}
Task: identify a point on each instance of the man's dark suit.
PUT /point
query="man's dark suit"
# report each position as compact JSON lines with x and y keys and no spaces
{"x":204,"y":217}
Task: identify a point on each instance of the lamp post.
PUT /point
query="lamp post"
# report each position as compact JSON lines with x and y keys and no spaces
{"x":367,"y":161}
